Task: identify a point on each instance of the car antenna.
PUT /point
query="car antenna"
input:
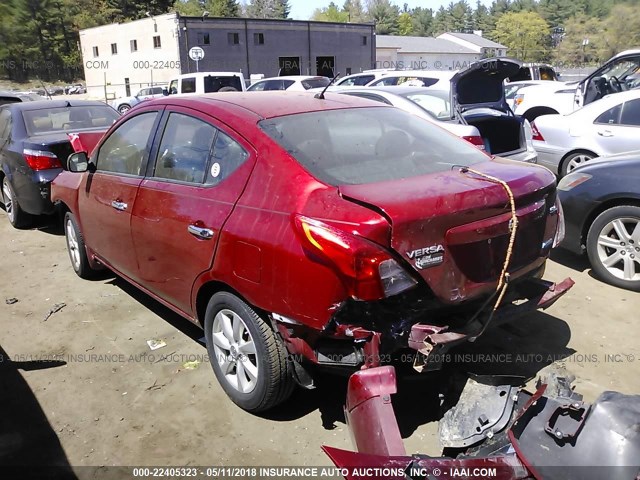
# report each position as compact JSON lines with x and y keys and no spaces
{"x":321,"y":94}
{"x":45,"y":88}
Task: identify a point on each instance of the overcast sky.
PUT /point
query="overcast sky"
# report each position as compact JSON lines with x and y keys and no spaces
{"x":303,"y":9}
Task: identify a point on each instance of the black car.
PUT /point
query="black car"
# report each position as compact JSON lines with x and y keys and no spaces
{"x":34,"y":146}
{"x":601,"y":203}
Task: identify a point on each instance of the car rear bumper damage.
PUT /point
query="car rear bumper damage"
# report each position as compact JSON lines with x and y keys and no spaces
{"x":368,"y":343}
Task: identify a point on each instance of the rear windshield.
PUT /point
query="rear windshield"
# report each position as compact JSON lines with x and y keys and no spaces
{"x":315,"y":82}
{"x":436,"y":102}
{"x":5,"y":100}
{"x":215,"y":83}
{"x":68,"y":118}
{"x":523,"y":74}
{"x":368,"y":145}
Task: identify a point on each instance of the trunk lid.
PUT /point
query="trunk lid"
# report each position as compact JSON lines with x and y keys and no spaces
{"x":57,"y":143}
{"x":452,"y":228}
{"x":482,"y":84}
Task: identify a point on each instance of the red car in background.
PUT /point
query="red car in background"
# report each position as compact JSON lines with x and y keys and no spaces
{"x":296,"y":230}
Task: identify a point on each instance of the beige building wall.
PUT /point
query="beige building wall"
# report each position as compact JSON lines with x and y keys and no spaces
{"x":146,"y":53}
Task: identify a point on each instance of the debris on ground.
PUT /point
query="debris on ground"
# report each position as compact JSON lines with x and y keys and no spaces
{"x":155,"y":386}
{"x":191,"y":365}
{"x":156,"y":344}
{"x":11,"y":301}
{"x":55,"y":309}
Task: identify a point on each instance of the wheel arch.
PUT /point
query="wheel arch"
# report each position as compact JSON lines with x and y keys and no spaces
{"x":210,"y":288}
{"x":571,"y":152}
{"x":535,"y":112}
{"x":606,"y":205}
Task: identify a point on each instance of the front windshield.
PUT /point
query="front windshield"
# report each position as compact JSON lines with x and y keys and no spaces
{"x":366,"y":145}
{"x":621,"y":69}
{"x":434,"y":102}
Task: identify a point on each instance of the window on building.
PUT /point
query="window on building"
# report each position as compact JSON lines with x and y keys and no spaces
{"x":155,"y":27}
{"x":258,"y":38}
{"x":156,"y":42}
{"x":95,"y":52}
{"x":364,"y":40}
{"x":233,"y":38}
{"x":134,"y":45}
{"x":114,"y":49}
{"x":348,"y":71}
{"x":203,"y":39}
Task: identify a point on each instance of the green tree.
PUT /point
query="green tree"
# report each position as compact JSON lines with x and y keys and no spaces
{"x":621,"y":30}
{"x":330,"y":14}
{"x":481,"y":18}
{"x":222,"y":8}
{"x":355,"y":11}
{"x":526,"y":34}
{"x":573,"y":50}
{"x":405,"y":24}
{"x":385,"y":15}
{"x":460,"y":16}
{"x":189,"y":8}
{"x":422,"y":19}
{"x":441,"y":22}
{"x":278,"y":9}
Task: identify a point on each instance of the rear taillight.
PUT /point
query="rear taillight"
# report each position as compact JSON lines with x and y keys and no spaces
{"x":475,"y":140}
{"x":536,"y":133}
{"x":41,"y":159}
{"x":366,"y":269}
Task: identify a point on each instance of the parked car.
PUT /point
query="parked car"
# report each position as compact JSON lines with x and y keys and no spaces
{"x":75,"y":89}
{"x":297,"y":229}
{"x":432,"y":105}
{"x":604,"y":127}
{"x":16,"y":97}
{"x":414,"y":78}
{"x":34,"y":146}
{"x":511,"y":90}
{"x":360,"y":79}
{"x":534,"y":71}
{"x":618,"y":74}
{"x":289,"y":82}
{"x":601,"y":202}
{"x":206,"y":82}
{"x":478,"y":99}
{"x":125,"y":103}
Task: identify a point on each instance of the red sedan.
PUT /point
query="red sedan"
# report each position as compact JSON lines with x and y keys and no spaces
{"x":299,"y":230}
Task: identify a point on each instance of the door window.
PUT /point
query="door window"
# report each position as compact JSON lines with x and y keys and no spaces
{"x":631,"y":113}
{"x":188,"y":85}
{"x":359,"y":80}
{"x":228,"y":155}
{"x":185,"y":149}
{"x":611,"y":116}
{"x":125,"y":149}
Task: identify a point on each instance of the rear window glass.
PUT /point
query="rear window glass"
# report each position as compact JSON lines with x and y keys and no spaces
{"x":215,"y":83}
{"x":68,"y":118}
{"x":523,"y":74}
{"x":315,"y":83}
{"x":367,"y":145}
{"x":436,"y":103}
{"x":5,"y":100}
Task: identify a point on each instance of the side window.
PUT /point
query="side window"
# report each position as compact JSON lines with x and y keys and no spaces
{"x":387,"y":81}
{"x":257,"y":87}
{"x":124,"y":150}
{"x":173,"y":87}
{"x":143,"y":92}
{"x":547,"y":73}
{"x":184,"y":149}
{"x":4,"y":124}
{"x":228,"y":155}
{"x":188,"y":85}
{"x":363,"y":80}
{"x":631,"y":113}
{"x":611,"y":116}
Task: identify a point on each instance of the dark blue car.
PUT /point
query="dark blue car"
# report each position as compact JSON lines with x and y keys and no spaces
{"x":601,"y":203}
{"x":34,"y":146}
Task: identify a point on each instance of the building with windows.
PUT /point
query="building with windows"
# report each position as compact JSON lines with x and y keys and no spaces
{"x":476,"y":42}
{"x":120,"y":59}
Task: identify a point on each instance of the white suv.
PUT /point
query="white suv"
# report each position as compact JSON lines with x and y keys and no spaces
{"x":206,"y":82}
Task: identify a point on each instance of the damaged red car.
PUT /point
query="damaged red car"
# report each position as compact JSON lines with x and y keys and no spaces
{"x":298,"y":229}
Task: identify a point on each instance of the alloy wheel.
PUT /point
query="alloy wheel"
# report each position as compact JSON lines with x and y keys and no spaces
{"x":578,"y":161}
{"x":619,"y":248}
{"x":8,"y":200}
{"x":73,"y":245}
{"x":235,"y":351}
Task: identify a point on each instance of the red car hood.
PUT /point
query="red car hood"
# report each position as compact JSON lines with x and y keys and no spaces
{"x":453,"y":227}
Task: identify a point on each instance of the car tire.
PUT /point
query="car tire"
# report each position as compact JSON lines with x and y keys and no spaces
{"x":76,"y":247}
{"x":124,"y":108}
{"x":228,"y":89}
{"x":234,"y":330}
{"x":574,"y":160}
{"x":613,"y":249}
{"x":17,"y":217}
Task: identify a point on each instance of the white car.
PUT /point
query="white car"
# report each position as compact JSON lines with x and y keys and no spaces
{"x":123,"y":104}
{"x":386,"y":78}
{"x":605,"y":127}
{"x":511,"y":89}
{"x":618,"y":74}
{"x":432,"y":105}
{"x":360,"y":79}
{"x":289,"y":82}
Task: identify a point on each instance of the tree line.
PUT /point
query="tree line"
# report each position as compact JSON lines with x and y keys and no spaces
{"x":39,"y":38}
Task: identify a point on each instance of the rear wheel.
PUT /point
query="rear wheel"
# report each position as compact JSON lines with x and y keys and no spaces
{"x":575,"y":160}
{"x":124,"y":108}
{"x":247,"y":356}
{"x":613,"y":246}
{"x":228,"y":89}
{"x":17,"y":217}
{"x":76,"y":247}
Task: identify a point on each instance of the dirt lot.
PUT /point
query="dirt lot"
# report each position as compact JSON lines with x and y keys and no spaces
{"x":84,"y":388}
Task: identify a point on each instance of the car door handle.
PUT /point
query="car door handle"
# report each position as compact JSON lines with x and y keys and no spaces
{"x":605,"y":133}
{"x":200,"y":232}
{"x":119,"y":205}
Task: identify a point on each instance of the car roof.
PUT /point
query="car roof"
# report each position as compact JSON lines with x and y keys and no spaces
{"x":266,"y":104}
{"x":421,"y":73}
{"x":40,"y":104}
{"x":290,"y":77}
{"x":396,"y":89}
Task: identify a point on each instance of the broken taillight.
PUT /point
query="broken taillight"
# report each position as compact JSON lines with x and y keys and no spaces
{"x":367,"y":270}
{"x":40,"y":159}
{"x":536,"y":133}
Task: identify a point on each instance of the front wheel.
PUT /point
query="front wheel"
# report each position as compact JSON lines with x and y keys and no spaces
{"x":575,"y":160}
{"x":76,"y":247}
{"x":613,"y":246}
{"x":248,"y":358}
{"x":17,"y":217}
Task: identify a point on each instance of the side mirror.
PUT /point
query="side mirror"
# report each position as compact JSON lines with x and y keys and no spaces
{"x":78,"y":162}
{"x":165,"y":92}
